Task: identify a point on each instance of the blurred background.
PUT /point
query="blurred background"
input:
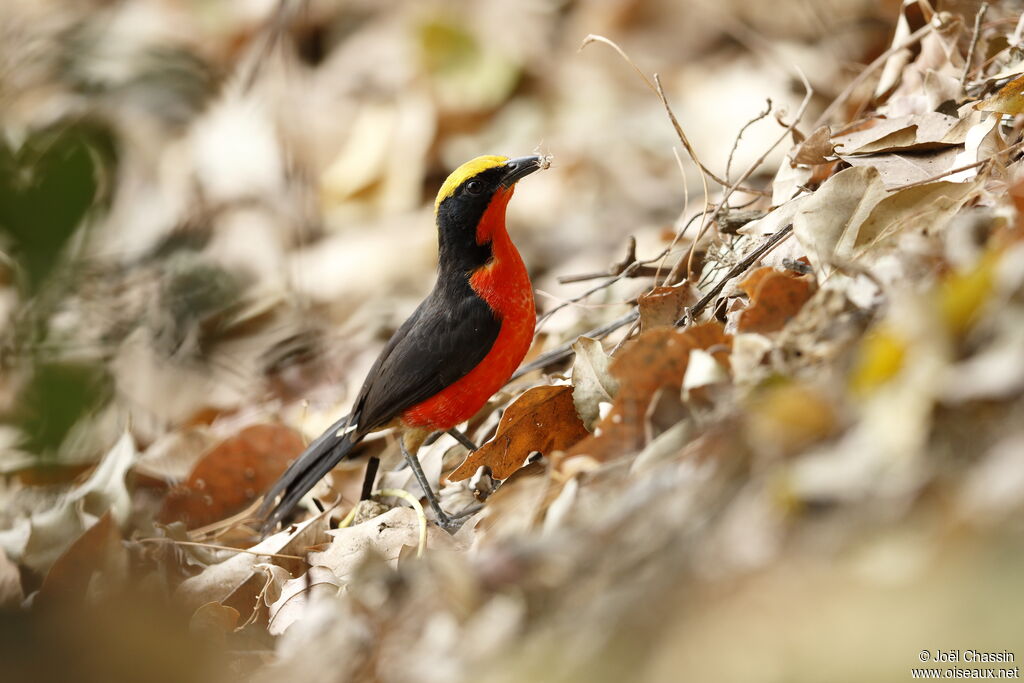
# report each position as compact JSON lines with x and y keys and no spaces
{"x":215,"y":212}
{"x":213,"y":206}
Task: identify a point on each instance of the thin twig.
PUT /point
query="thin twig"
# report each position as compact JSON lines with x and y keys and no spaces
{"x":951,"y":171}
{"x":686,"y":207}
{"x":840,"y":99}
{"x":219,"y":547}
{"x":628,"y":272}
{"x":284,"y":13}
{"x":736,"y":142}
{"x":594,"y":38}
{"x":736,"y":270}
{"x":615,"y":269}
{"x":724,"y":202}
{"x":562,"y":352}
{"x":978,"y":18}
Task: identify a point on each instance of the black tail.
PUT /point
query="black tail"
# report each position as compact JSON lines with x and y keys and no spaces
{"x":302,"y":475}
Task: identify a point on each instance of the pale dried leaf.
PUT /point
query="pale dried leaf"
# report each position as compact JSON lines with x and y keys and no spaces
{"x":592,"y":382}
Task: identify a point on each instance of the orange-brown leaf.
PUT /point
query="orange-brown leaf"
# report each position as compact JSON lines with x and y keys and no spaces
{"x":97,"y":550}
{"x":775,"y":297}
{"x":1009,"y":99}
{"x":663,"y":306}
{"x":653,"y":360}
{"x":542,"y":419}
{"x":229,"y":478}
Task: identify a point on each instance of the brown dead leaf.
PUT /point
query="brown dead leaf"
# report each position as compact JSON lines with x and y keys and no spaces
{"x":654,"y":360}
{"x":775,"y":297}
{"x":542,"y":419}
{"x":213,"y":622}
{"x":904,"y":133}
{"x":1008,"y":100}
{"x":663,"y":306}
{"x":906,"y":167}
{"x":815,"y":149}
{"x":97,"y":552}
{"x":231,"y":476}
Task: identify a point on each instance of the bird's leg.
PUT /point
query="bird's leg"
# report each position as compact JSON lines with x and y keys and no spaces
{"x":462,"y":438}
{"x":443,"y":519}
{"x":372,"y":465}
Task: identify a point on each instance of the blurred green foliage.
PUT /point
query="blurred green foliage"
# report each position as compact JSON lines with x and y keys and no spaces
{"x":58,"y":395}
{"x":47,"y":187}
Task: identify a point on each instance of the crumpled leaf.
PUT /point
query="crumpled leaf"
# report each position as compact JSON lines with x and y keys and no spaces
{"x":852,"y":212}
{"x":316,"y":584}
{"x":816,"y":148}
{"x":232,"y":475}
{"x":213,"y":622}
{"x":663,"y":306}
{"x":775,"y":298}
{"x":38,"y":541}
{"x":542,"y":419}
{"x":236,"y":582}
{"x":656,"y":359}
{"x":592,"y":382}
{"x":905,"y":133}
{"x":902,"y":168}
{"x":384,"y":535}
{"x":97,"y":554}
{"x":827,"y":223}
{"x":1008,"y":100}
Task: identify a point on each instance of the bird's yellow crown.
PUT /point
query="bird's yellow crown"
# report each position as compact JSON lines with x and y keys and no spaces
{"x":465,"y":172}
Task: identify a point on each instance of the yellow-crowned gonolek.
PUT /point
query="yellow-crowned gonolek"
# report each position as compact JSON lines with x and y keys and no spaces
{"x":460,"y":346}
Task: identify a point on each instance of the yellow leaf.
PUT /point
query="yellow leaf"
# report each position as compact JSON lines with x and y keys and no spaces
{"x":962,"y":295}
{"x":881,"y":356}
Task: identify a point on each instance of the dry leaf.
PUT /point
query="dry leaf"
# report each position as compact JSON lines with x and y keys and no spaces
{"x":815,"y":149}
{"x":96,"y":554}
{"x":827,"y":223}
{"x":384,"y":535}
{"x":784,"y":419}
{"x":916,"y":132}
{"x":1008,"y":100}
{"x":542,"y":419}
{"x":654,"y":360}
{"x":663,"y":306}
{"x":213,"y":621}
{"x":592,"y":381}
{"x":925,"y":207}
{"x":775,"y":298}
{"x":316,"y":584}
{"x":232,"y":475}
{"x":38,"y":541}
{"x":236,"y":582}
{"x":904,"y":168}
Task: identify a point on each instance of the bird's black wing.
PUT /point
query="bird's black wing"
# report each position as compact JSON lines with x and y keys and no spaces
{"x":441,"y":342}
{"x":446,"y":337}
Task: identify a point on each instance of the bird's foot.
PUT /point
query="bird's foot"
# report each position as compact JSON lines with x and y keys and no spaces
{"x":452,"y":523}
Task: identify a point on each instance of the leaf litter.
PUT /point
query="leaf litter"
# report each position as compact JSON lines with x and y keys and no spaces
{"x":756,"y":441}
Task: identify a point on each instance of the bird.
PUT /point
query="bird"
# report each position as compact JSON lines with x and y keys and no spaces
{"x":460,"y":345}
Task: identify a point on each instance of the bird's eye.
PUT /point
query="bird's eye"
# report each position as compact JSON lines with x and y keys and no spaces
{"x":475,"y":187}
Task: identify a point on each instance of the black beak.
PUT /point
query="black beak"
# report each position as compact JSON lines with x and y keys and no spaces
{"x":517,"y":169}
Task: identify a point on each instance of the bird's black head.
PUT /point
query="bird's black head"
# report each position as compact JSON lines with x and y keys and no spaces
{"x":472,"y":197}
